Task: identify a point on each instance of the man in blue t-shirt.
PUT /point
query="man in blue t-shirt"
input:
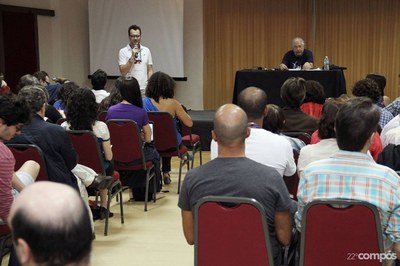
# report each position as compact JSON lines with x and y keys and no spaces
{"x":298,"y":57}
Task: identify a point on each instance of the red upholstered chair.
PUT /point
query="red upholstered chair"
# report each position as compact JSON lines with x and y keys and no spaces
{"x":102,"y":116}
{"x":334,"y":232}
{"x":231,"y":231}
{"x":192,"y":142}
{"x":166,"y":142}
{"x":89,"y":154}
{"x":25,"y":152}
{"x":5,"y":241}
{"x":128,"y":152}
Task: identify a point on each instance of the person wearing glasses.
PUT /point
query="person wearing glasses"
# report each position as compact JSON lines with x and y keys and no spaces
{"x":52,"y":89}
{"x":135,"y":59}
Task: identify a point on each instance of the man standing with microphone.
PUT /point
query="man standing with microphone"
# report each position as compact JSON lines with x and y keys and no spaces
{"x":135,"y":59}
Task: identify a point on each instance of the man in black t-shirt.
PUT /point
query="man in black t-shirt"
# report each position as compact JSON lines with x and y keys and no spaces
{"x":298,"y":57}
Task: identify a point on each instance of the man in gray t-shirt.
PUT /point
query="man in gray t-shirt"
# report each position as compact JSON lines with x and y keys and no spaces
{"x":232,"y":174}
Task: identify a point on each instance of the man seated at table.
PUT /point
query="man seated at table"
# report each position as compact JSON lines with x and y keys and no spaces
{"x":298,"y":57}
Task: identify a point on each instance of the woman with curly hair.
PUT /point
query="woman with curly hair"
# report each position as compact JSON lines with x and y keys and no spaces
{"x":63,"y":94}
{"x":160,"y":97}
{"x":82,"y":115}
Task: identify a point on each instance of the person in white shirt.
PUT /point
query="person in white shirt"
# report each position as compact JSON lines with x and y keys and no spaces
{"x":326,"y":133}
{"x":135,"y":59}
{"x":99,"y":81}
{"x":262,"y":146}
{"x":390,"y":133}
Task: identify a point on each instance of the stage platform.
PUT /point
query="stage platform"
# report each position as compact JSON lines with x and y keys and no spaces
{"x":202,"y":126}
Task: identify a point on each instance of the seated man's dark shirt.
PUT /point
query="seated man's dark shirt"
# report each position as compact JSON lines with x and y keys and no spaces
{"x":59,"y":154}
{"x":238,"y":177}
{"x":292,"y":61}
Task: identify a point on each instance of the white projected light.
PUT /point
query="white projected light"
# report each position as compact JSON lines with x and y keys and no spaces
{"x":161,"y":22}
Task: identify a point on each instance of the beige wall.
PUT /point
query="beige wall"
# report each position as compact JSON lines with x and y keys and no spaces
{"x":64,"y":44}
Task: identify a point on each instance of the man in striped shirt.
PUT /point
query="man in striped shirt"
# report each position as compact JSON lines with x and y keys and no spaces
{"x":351,"y":173}
{"x":13,"y":115}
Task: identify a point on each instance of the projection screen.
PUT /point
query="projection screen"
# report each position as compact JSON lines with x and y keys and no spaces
{"x":161,"y":22}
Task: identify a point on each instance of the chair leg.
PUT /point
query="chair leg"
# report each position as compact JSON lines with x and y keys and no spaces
{"x":3,"y":246}
{"x":120,"y":204}
{"x":108,"y":211}
{"x":154,"y":185}
{"x":201,"y":158}
{"x":179,"y":176}
{"x":146,"y":196}
{"x":193,"y":153}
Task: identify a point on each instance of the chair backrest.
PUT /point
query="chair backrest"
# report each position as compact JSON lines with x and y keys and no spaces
{"x":231,"y":231}
{"x":334,"y":232}
{"x":164,"y":131}
{"x":88,"y":149}
{"x":61,"y":120}
{"x":304,"y":136}
{"x":25,"y":152}
{"x":102,"y":116}
{"x":390,"y":156}
{"x":127,"y":144}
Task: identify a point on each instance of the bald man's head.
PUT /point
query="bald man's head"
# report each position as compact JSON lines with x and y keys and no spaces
{"x":230,"y":125}
{"x":253,"y":101}
{"x":53,"y":221}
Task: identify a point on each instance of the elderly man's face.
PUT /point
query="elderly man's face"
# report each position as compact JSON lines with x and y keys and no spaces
{"x":298,"y":48}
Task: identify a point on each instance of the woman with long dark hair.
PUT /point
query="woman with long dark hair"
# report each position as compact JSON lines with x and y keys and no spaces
{"x":131,"y":108}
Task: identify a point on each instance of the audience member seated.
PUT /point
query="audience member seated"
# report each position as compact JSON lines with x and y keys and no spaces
{"x":99,"y":81}
{"x":160,"y":97}
{"x":262,"y":145}
{"x":58,"y":152}
{"x":51,"y":114}
{"x":63,"y":94}
{"x":394,"y":107}
{"x":376,"y":144}
{"x":390,"y":133}
{"x":274,"y":121}
{"x":4,"y":88}
{"x":326,"y":132}
{"x":381,"y":81}
{"x":315,"y":98}
{"x":298,"y":57}
{"x":228,"y":175}
{"x":352,"y":174}
{"x":131,"y":108}
{"x":50,"y":226}
{"x":82,"y":115}
{"x":52,"y":89}
{"x":369,"y":88}
{"x":13,"y":115}
{"x":293,"y":92}
{"x":112,"y":99}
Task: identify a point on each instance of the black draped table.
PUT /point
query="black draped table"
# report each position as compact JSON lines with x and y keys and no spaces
{"x":271,"y":82}
{"x":202,"y":126}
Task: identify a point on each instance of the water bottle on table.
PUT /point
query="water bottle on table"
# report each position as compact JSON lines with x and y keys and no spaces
{"x":326,"y":63}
